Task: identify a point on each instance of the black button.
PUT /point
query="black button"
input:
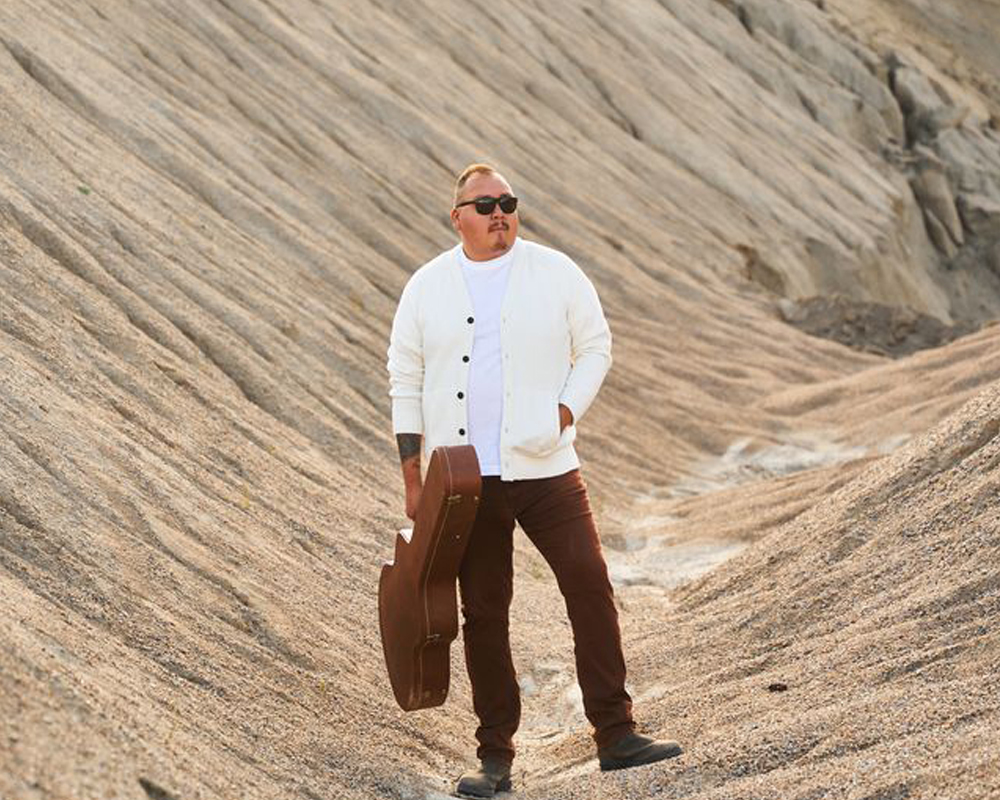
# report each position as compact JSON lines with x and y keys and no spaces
{"x":461,"y":395}
{"x":465,"y":359}
{"x":470,"y":320}
{"x":461,"y":431}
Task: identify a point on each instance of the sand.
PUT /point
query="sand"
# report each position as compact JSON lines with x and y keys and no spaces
{"x":207,"y":212}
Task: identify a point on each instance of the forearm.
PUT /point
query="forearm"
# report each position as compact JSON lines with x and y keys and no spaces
{"x":584,"y":381}
{"x":591,"y":349}
{"x":410,"y":445}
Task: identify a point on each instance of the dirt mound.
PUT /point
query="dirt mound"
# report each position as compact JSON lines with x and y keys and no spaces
{"x":848,"y":653}
{"x":207,"y":212}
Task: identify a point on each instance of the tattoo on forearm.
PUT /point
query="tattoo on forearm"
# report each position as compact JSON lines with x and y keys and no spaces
{"x":409,"y":445}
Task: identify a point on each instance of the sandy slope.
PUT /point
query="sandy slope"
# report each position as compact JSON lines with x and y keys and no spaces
{"x":206,"y":214}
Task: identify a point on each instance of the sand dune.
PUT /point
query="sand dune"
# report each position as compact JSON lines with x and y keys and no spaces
{"x":207,"y":212}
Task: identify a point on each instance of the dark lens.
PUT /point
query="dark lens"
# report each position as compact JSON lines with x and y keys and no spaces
{"x":508,"y":204}
{"x":485,"y":205}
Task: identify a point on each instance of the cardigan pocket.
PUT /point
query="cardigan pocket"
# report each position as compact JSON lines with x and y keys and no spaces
{"x":536,"y":423}
{"x":441,"y":419}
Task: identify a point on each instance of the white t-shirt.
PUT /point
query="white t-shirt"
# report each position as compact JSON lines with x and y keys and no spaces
{"x":487,"y":284}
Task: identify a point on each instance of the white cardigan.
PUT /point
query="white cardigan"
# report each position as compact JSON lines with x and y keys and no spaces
{"x":556,"y":348}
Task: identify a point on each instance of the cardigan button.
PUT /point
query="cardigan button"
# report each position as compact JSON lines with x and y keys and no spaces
{"x":470,"y":320}
{"x":461,"y":431}
{"x":461,"y":395}
{"x":465,"y":359}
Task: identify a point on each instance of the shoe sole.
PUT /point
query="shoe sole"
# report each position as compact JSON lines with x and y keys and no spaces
{"x":503,"y":786}
{"x":609,"y":764}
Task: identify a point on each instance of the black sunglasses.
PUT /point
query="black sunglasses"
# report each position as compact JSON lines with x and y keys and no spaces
{"x":485,"y":205}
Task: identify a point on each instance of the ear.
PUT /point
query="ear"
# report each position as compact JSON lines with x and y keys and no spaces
{"x":455,"y":220}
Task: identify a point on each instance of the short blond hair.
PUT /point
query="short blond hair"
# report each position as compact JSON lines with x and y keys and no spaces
{"x":468,"y":172}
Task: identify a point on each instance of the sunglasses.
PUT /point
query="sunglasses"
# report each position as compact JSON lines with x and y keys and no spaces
{"x":485,"y":205}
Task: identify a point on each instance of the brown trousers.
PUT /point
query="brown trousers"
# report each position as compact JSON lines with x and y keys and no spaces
{"x":555,"y":514}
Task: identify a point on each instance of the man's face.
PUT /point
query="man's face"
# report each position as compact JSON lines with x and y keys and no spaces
{"x":485,"y":236}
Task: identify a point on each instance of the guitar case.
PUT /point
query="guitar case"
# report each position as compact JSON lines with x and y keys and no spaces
{"x":417,"y":604}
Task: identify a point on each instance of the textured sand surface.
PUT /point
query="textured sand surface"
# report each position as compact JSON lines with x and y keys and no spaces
{"x":207,"y":211}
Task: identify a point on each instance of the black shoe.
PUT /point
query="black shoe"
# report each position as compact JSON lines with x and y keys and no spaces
{"x":634,"y":750}
{"x":492,"y":776}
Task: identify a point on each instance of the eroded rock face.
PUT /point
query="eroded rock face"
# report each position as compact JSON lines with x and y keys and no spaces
{"x":981,"y":215}
{"x":837,"y":79}
{"x":926,"y":107}
{"x":955,"y":166}
{"x":207,"y":213}
{"x":932,"y":133}
{"x":933,"y":191}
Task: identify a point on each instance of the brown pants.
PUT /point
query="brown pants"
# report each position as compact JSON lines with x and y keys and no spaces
{"x":555,"y":514}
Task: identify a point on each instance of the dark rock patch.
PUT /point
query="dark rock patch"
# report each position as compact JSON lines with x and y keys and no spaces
{"x":893,"y":331}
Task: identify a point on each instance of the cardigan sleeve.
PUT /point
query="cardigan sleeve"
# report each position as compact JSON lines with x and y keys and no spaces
{"x":590,"y":341}
{"x":406,"y":363}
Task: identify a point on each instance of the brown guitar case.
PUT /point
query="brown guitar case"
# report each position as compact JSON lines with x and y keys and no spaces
{"x":417,"y":604}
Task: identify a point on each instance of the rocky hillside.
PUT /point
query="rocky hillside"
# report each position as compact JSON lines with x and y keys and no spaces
{"x":207,"y":211}
{"x":851,"y":652}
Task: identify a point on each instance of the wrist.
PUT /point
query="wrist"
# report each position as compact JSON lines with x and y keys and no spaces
{"x":411,"y":474}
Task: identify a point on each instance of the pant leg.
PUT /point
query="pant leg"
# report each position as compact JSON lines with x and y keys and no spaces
{"x":555,"y":514}
{"x":486,"y":583}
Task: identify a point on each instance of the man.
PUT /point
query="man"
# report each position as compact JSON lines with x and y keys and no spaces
{"x":501,"y":343}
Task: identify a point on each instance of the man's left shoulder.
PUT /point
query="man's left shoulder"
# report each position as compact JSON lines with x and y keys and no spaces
{"x":550,"y":258}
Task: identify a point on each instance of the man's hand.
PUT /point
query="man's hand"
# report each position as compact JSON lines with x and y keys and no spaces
{"x":565,"y":417}
{"x":409,"y":455}
{"x":413,"y":500}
